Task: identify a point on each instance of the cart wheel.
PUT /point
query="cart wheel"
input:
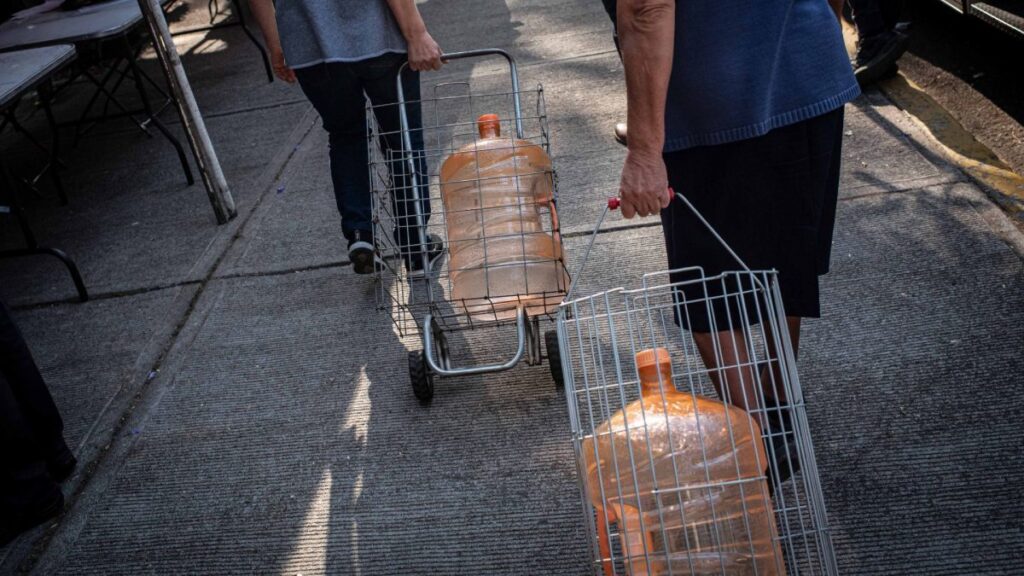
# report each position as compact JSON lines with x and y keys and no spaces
{"x":422,"y":379}
{"x":554,"y":358}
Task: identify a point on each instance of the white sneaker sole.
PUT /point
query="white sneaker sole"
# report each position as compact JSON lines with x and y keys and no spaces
{"x":362,"y":256}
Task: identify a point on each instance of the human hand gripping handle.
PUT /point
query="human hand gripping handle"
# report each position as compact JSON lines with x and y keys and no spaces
{"x":643,"y":185}
{"x":614,"y":202}
{"x":424,"y":53}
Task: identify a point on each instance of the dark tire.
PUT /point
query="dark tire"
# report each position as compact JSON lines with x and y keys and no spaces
{"x":554,"y":358}
{"x":421,"y":378}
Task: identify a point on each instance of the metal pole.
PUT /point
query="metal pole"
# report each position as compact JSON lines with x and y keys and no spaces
{"x":198,"y":139}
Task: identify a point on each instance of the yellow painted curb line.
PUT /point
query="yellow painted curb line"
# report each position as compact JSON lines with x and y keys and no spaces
{"x":956,"y":143}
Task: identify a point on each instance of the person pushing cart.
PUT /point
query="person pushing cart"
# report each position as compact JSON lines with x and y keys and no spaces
{"x":688,"y":420}
{"x":738,"y":107}
{"x":341,"y":53}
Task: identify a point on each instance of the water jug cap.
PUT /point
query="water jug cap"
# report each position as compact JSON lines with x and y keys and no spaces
{"x":652,"y":357}
{"x":488,"y":124}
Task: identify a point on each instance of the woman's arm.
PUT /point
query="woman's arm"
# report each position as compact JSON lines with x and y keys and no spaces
{"x":263,"y":11}
{"x":424,"y":53}
{"x":646,"y":31}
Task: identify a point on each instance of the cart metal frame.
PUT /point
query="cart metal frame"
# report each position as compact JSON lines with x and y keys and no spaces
{"x":404,"y":175}
{"x":599,"y":336}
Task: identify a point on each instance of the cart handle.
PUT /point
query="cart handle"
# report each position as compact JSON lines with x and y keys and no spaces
{"x":447,"y":370}
{"x":614,"y":204}
{"x":513,"y":74}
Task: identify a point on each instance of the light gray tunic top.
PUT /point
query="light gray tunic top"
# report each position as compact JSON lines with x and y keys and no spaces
{"x":315,"y":31}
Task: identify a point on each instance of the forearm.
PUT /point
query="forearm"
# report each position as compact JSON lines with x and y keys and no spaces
{"x":263,"y":11}
{"x":408,"y":17}
{"x":424,"y":53}
{"x":646,"y":31}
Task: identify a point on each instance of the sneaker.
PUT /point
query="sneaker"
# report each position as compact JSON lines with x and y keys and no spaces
{"x":877,"y":55}
{"x":620,"y":133}
{"x":361,"y":252}
{"x":414,"y":261}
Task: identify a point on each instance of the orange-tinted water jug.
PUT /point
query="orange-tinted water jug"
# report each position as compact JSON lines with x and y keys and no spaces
{"x":495,"y":191}
{"x":683,"y":478}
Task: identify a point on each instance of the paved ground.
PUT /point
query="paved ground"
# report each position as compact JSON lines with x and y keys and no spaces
{"x":243,"y":409}
{"x":973,"y":70}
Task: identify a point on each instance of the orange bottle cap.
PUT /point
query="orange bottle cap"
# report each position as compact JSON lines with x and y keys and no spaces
{"x":652,"y":357}
{"x":488,"y":124}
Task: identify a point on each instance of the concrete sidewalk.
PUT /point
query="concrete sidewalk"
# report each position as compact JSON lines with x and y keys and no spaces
{"x":242,"y":408}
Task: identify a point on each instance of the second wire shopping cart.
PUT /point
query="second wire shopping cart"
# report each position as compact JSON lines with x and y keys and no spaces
{"x":433,"y":195}
{"x":689,"y":427}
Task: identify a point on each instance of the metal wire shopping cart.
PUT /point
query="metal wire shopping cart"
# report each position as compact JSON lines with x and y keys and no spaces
{"x":688,"y":419}
{"x":413,"y":216}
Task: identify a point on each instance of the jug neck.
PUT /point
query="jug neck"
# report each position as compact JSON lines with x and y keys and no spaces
{"x":649,"y":382}
{"x":489,"y":126}
{"x":654,"y":366}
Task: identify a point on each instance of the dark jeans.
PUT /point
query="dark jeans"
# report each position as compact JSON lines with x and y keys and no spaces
{"x":338,"y":91}
{"x":30,"y":425}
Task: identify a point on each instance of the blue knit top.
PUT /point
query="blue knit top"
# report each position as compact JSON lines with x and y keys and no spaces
{"x":315,"y":31}
{"x":742,"y":68}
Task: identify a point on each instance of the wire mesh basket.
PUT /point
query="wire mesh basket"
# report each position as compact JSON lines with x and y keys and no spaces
{"x":416,"y":218}
{"x":702,"y":464}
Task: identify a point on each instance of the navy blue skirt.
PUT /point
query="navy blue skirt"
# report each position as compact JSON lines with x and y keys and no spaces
{"x":773,"y":199}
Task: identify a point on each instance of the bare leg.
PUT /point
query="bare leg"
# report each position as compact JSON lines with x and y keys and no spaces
{"x":727,"y":357}
{"x":772,"y":382}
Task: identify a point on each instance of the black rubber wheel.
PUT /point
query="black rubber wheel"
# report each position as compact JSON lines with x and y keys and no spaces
{"x":554,"y":358}
{"x":420,"y":376}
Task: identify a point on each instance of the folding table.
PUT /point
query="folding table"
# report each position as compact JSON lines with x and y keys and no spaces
{"x":21,"y":72}
{"x":95,"y":30}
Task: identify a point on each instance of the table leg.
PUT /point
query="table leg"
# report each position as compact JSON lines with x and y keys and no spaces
{"x":10,"y":120}
{"x":69,"y":264}
{"x":240,"y":14}
{"x":240,"y":20}
{"x":32,"y":248}
{"x":92,"y":100}
{"x":121,"y":76}
{"x":45,"y":98}
{"x":117,"y":103}
{"x":54,"y":163}
{"x":139,"y":84}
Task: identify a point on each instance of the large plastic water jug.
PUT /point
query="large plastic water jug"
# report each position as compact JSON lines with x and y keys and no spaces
{"x":495,"y":192}
{"x":683,"y":477}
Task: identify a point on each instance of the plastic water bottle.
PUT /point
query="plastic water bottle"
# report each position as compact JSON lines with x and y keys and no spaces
{"x":495,"y":191}
{"x":683,"y":477}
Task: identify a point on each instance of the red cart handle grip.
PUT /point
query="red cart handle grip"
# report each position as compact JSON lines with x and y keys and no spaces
{"x":614,"y":202}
